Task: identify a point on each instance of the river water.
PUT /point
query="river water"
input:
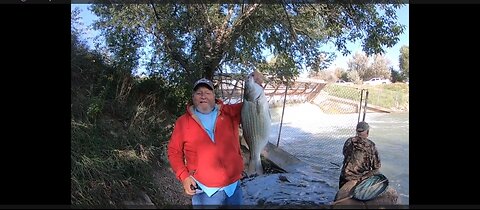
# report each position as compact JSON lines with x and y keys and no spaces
{"x":317,"y":138}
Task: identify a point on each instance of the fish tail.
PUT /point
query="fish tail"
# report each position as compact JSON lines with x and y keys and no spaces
{"x":255,"y":166}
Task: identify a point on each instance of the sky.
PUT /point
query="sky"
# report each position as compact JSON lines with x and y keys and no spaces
{"x":86,"y":18}
{"x":391,"y":53}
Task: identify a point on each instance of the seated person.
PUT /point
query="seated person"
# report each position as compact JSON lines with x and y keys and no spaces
{"x":361,"y":161}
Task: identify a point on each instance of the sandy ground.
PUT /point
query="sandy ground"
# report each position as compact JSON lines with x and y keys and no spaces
{"x":170,"y":190}
{"x":301,"y":188}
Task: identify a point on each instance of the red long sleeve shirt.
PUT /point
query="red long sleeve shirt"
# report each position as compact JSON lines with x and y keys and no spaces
{"x":192,"y":152}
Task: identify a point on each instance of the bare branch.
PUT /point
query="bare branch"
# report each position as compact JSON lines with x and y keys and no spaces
{"x":169,"y":37}
{"x":292,"y":30}
{"x":234,"y":32}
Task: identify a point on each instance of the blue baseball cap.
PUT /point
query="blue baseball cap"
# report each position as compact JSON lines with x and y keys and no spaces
{"x":204,"y":82}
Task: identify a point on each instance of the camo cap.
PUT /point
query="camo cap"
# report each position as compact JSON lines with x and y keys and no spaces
{"x":362,"y":126}
{"x":205,"y":82}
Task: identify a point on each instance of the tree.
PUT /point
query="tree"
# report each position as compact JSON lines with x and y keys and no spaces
{"x":193,"y":40}
{"x":354,"y":77}
{"x":380,"y":67}
{"x":359,"y":63}
{"x":365,"y":70}
{"x":396,"y":75}
{"x":339,"y":73}
{"x":403,"y":61}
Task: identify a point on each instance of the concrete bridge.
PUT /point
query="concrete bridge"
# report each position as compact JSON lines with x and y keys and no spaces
{"x":230,"y":87}
{"x":302,"y":90}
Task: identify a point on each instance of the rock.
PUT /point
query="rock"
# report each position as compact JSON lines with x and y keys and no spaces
{"x":283,"y":178}
{"x":389,"y":197}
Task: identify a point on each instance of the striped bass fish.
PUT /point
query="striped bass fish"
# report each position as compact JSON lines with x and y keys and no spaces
{"x":256,"y":122}
{"x":368,"y":189}
{"x":371,"y":187}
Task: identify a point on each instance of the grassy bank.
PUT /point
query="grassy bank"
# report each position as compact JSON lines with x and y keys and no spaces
{"x":120,"y":125}
{"x":393,"y":96}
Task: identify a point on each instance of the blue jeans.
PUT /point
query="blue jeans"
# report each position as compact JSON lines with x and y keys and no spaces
{"x":218,"y":199}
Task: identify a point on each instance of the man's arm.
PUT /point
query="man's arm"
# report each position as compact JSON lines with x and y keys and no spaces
{"x":376,"y":159}
{"x":346,"y":147}
{"x":375,"y":164}
{"x":175,"y":153}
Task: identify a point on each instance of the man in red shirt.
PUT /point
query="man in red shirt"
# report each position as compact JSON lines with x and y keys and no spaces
{"x":204,"y":149}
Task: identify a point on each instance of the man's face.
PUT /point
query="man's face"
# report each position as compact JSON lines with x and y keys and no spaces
{"x":204,"y":99}
{"x":363,"y":134}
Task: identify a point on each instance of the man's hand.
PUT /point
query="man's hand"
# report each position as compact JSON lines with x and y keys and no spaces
{"x":187,"y":182}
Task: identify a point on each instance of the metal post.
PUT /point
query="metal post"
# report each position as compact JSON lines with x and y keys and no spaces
{"x":360,"y":105}
{"x":283,"y":111}
{"x":365,"y":108}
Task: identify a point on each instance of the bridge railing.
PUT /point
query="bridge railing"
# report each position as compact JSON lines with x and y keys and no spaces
{"x":230,"y":89}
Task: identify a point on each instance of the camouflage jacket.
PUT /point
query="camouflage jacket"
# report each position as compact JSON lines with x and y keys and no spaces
{"x":360,"y":160}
